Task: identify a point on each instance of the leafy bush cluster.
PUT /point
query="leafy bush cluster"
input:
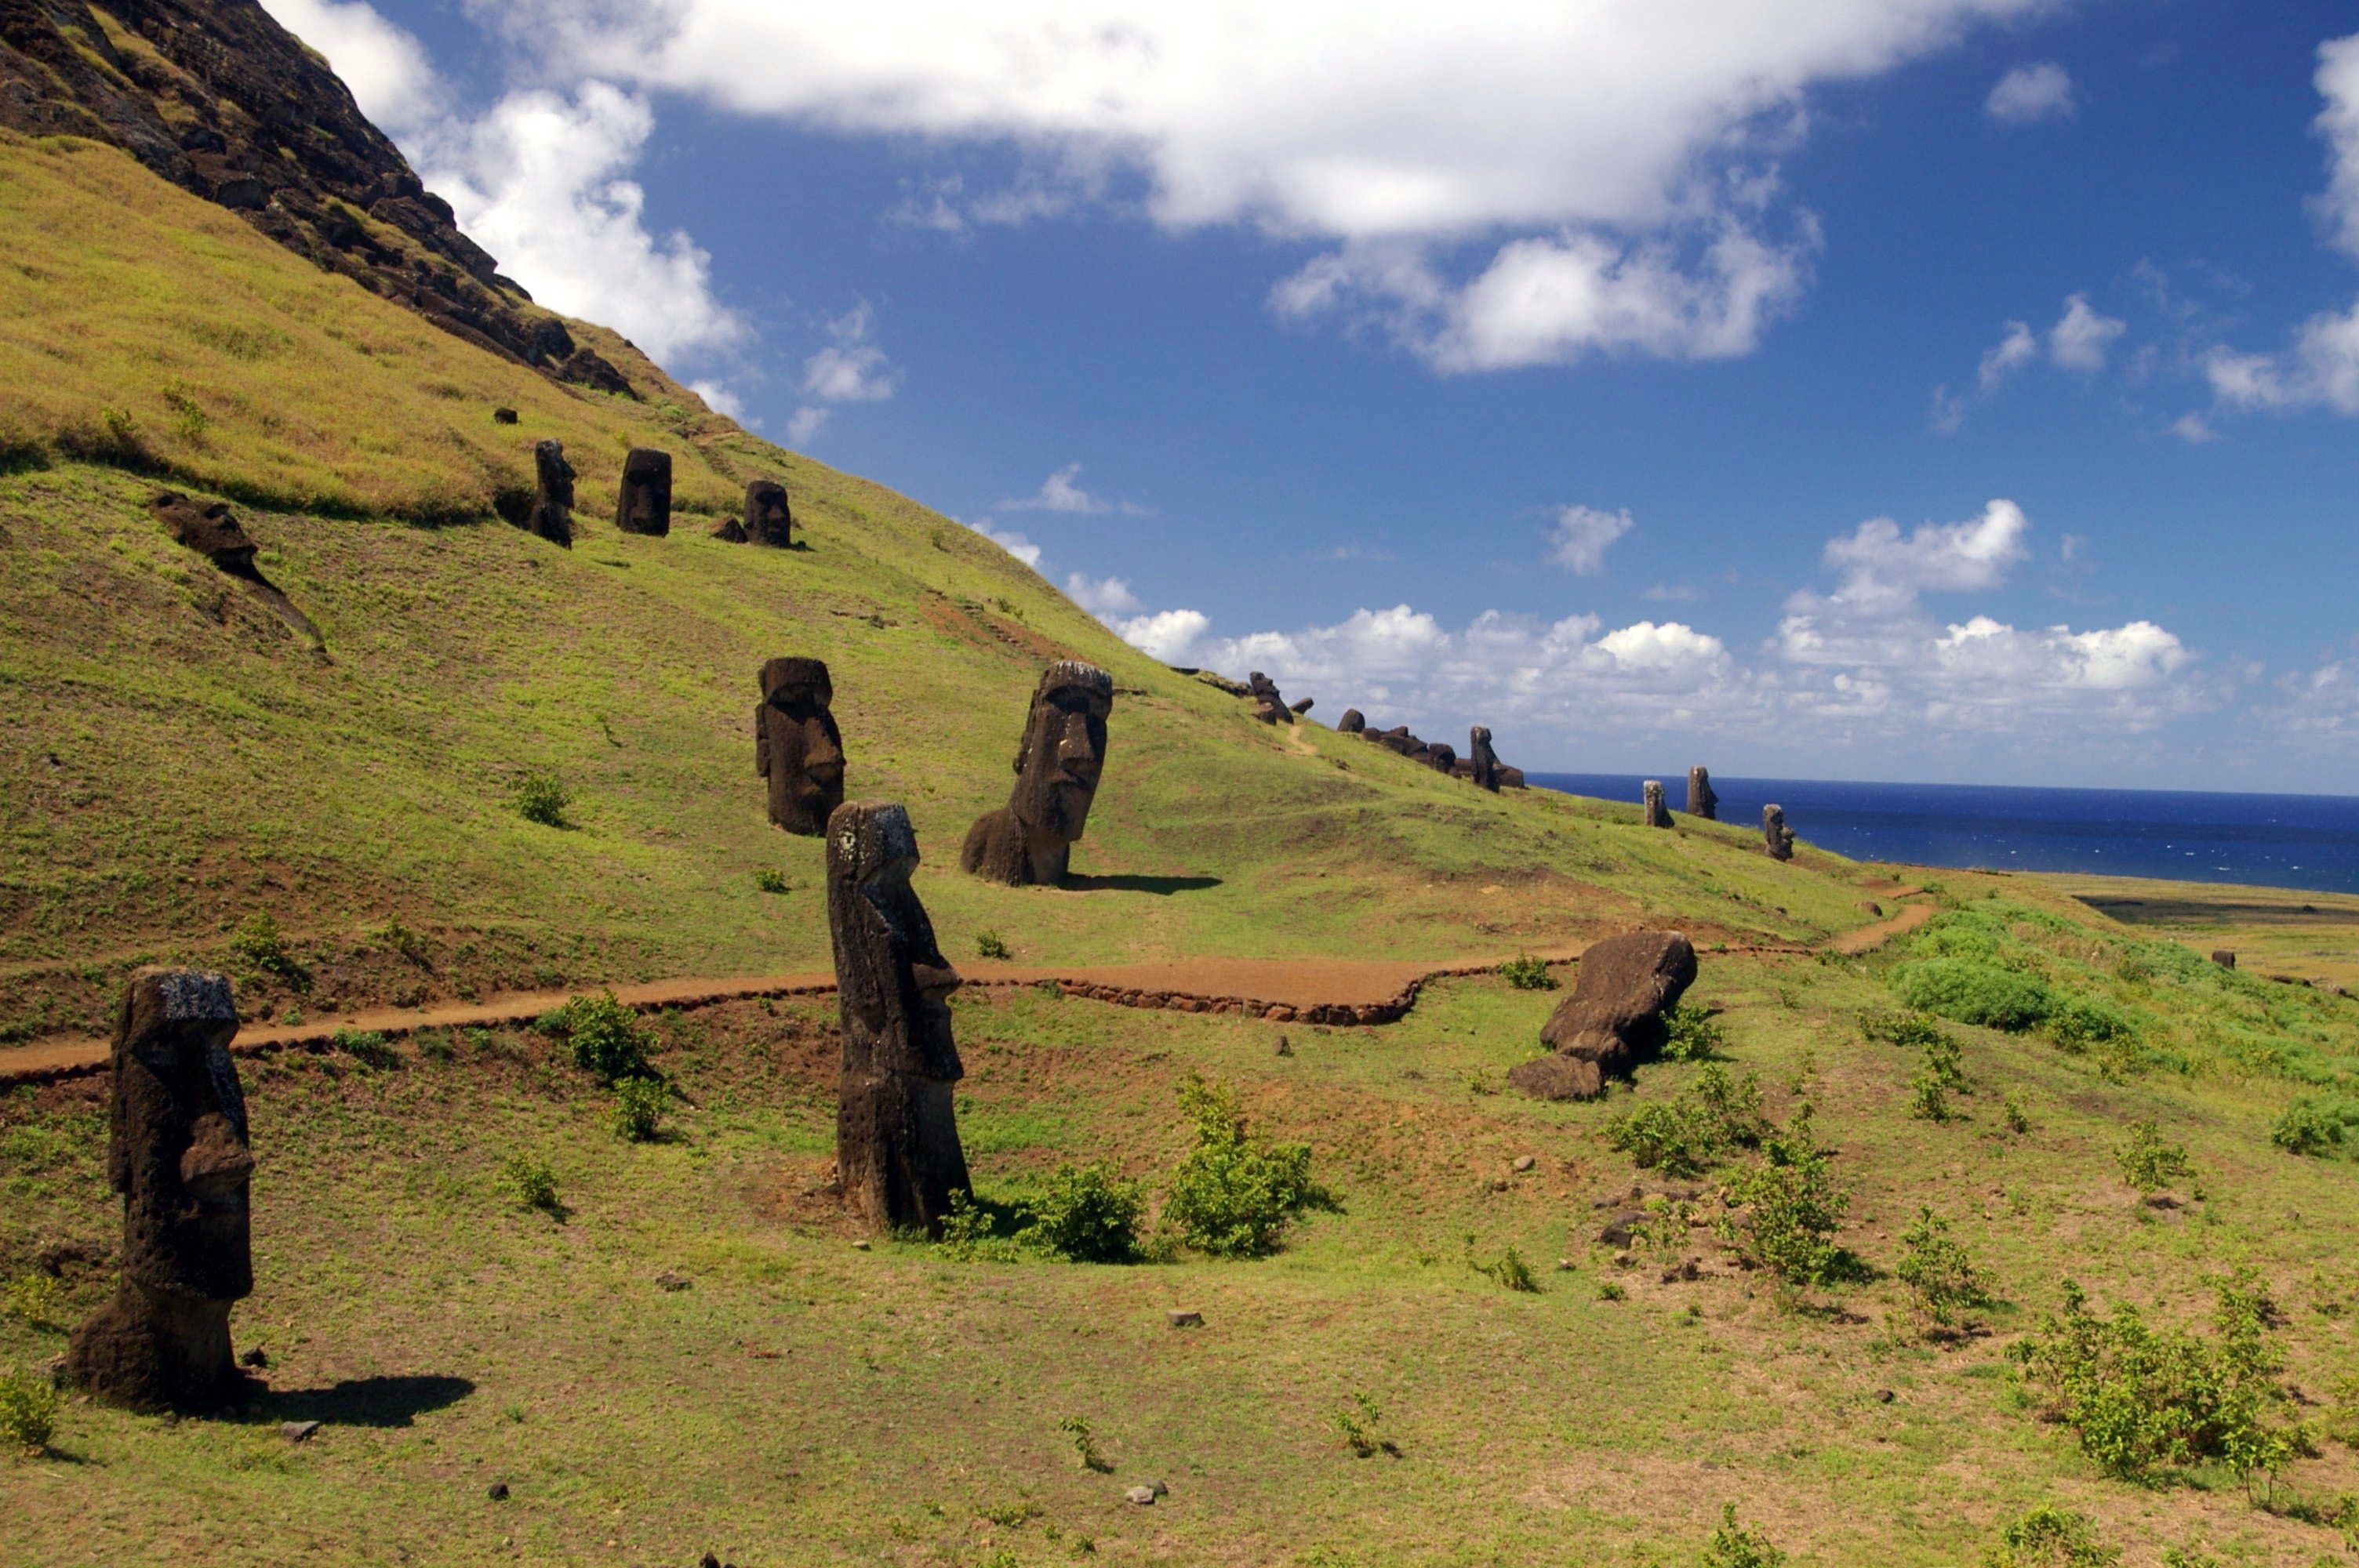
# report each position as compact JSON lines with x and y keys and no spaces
{"x":1088,"y":1214}
{"x":2141,"y":1398}
{"x":2314,"y":1125}
{"x":1971,"y":990}
{"x":28,"y":1411}
{"x":2150,"y":1163}
{"x":541,"y":797}
{"x":260,"y":945}
{"x":1508,"y":1270}
{"x":640,"y":1107}
{"x":1944,"y":1283}
{"x":2050,"y":1537}
{"x":606,"y":1037}
{"x":1790,"y":1206}
{"x":1733,"y":1546}
{"x":531,"y":1182}
{"x":1526,"y":973}
{"x":36,"y":1300}
{"x":1692,"y":1033}
{"x":1686,"y":1135}
{"x":1234,"y":1194}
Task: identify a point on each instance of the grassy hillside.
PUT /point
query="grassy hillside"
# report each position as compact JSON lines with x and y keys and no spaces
{"x":176,"y":763}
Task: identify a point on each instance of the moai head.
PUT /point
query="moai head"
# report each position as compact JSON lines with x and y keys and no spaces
{"x":1440,"y":757}
{"x":767,"y":521}
{"x":1483,"y":762}
{"x":554,"y":474}
{"x":1701,"y":800}
{"x":1658,"y":814}
{"x":178,"y":1151}
{"x":1064,"y":749}
{"x":893,"y":979}
{"x":1353,"y":722}
{"x":643,"y":502}
{"x":212,"y":531}
{"x":1776,"y":837}
{"x":797,"y":745}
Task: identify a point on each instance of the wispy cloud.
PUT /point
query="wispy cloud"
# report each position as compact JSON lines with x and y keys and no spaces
{"x":1062,"y":491}
{"x":2030,"y":93}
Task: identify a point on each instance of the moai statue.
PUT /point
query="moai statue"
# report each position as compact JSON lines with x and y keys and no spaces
{"x":1702,"y":801}
{"x":767,"y":521}
{"x":1301,"y":706}
{"x":1440,"y":758}
{"x":1268,"y":705}
{"x":2224,"y":956}
{"x":1484,"y":770}
{"x":898,"y":1157}
{"x":1658,"y":814}
{"x":643,"y":499}
{"x":177,"y":1152}
{"x":552,"y":503}
{"x":797,"y":746}
{"x":1353,"y":722}
{"x":1778,"y":838}
{"x":1028,"y":841}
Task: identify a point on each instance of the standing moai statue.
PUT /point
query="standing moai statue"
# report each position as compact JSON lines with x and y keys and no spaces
{"x":2224,"y":956}
{"x":1353,"y":722}
{"x":1268,"y":705}
{"x":1485,"y":770}
{"x":177,"y":1152}
{"x":767,"y":519}
{"x":1658,"y":814}
{"x":643,"y":499}
{"x":551,"y":516}
{"x":797,"y":746}
{"x":1776,"y":837}
{"x":1702,"y":801}
{"x":1028,"y":841}
{"x":898,"y":1157}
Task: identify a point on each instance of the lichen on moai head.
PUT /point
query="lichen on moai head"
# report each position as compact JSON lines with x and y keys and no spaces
{"x":797,"y":746}
{"x":1029,"y":840}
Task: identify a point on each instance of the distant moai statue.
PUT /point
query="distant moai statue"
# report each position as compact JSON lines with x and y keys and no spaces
{"x":1776,"y":837}
{"x":551,"y":516}
{"x":1268,"y":705}
{"x":1702,"y":801}
{"x":643,"y":499}
{"x":1301,"y":706}
{"x":898,"y":1157}
{"x":1485,"y":769}
{"x":797,"y":746}
{"x":1658,"y":814}
{"x":767,"y":519}
{"x":1029,"y":840}
{"x":1353,"y":722}
{"x":1440,"y":757}
{"x":177,"y":1152}
{"x":2224,"y":956}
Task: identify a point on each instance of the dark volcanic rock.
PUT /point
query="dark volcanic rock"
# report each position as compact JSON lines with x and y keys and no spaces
{"x":1353,"y":722}
{"x":1613,"y":1016}
{"x":795,"y":745}
{"x":1510,"y":778}
{"x":219,"y":98}
{"x":1702,"y":801}
{"x":643,"y":497}
{"x":1268,"y":705}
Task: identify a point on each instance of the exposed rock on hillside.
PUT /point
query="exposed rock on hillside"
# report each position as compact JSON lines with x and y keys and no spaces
{"x":219,"y":98}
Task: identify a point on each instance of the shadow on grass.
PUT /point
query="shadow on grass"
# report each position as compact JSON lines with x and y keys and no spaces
{"x":1163,"y":886}
{"x":366,"y":1401}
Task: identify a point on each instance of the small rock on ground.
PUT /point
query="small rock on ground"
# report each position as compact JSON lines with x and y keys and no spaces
{"x":257,"y":1356}
{"x":1142,"y":1496}
{"x":1524,"y":1162}
{"x":1181,"y":1319}
{"x":497,"y":1491}
{"x":298,"y":1430}
{"x":671,"y":1282}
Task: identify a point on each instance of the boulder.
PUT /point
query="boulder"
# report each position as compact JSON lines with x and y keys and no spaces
{"x":1613,"y":1017}
{"x":1353,"y":722}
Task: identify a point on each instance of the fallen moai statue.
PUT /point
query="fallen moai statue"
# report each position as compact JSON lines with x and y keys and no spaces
{"x":213,"y":531}
{"x":177,"y":1152}
{"x":1029,"y":840}
{"x":1353,"y":722}
{"x":1615,"y":1017}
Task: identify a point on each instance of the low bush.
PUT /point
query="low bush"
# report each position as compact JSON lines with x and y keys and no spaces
{"x":2077,"y":1023}
{"x":1909,"y":1030}
{"x":259,"y":945}
{"x":769,"y":879}
{"x":606,"y":1037}
{"x":1971,"y":990}
{"x":1941,"y":1280}
{"x":36,"y":1300}
{"x":1685,"y":1136}
{"x":2305,"y":1126}
{"x":531,"y":1182}
{"x":1234,"y":1195}
{"x":1357,"y":1422}
{"x":990,"y":944}
{"x":1526,"y":973}
{"x":1733,"y":1546}
{"x":541,"y":797}
{"x":1508,"y":1270}
{"x":28,"y":1411}
{"x":1088,"y":1214}
{"x":1690,"y":1034}
{"x":2150,"y":1163}
{"x":1943,"y":1075}
{"x":2049,"y":1536}
{"x":1790,"y":1206}
{"x":638,"y":1108}
{"x":365,"y":1046}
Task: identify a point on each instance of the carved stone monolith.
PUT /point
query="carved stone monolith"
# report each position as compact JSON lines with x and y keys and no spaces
{"x":1353,"y":722}
{"x":1484,"y":762}
{"x":767,"y":519}
{"x":1702,"y":801}
{"x":1613,"y":1017}
{"x":898,"y":1157}
{"x":1301,"y":706}
{"x":1268,"y":705}
{"x":1028,"y":842}
{"x":177,"y":1150}
{"x":551,"y":516}
{"x":1658,"y":814}
{"x":795,"y":745}
{"x":643,"y":499}
{"x":1510,"y":778}
{"x":1440,"y":758}
{"x":1776,"y":839}
{"x":2224,"y":956}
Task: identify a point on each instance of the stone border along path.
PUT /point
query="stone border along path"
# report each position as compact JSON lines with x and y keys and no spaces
{"x":1338,"y":991}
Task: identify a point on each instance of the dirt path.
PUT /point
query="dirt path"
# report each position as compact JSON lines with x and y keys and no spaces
{"x":1869,"y":937}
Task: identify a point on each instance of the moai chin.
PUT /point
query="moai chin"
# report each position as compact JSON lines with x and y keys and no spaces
{"x":643,"y":499}
{"x":1776,"y":839}
{"x":898,"y":1157}
{"x":767,"y":519}
{"x":1485,"y":770}
{"x":1702,"y":801}
{"x":797,"y":746}
{"x":551,"y":517}
{"x":1028,"y":842}
{"x":1658,"y":814}
{"x":177,"y":1150}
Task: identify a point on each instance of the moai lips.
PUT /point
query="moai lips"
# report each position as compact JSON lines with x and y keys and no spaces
{"x":1029,"y":840}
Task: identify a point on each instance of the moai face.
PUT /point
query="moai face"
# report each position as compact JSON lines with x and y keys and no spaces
{"x":767,"y":521}
{"x":799,"y":749}
{"x":1658,"y":814}
{"x":643,"y":505}
{"x":887,"y":963}
{"x":554,"y":473}
{"x":1064,"y":750}
{"x":1703,"y":801}
{"x":179,"y":1152}
{"x":1776,"y":837}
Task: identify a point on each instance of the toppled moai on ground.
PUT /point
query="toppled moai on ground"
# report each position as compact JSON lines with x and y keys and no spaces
{"x":1029,"y":840}
{"x":1702,"y":802}
{"x":643,"y":498}
{"x":897,"y":1155}
{"x":213,"y":531}
{"x":1658,"y":814}
{"x":177,"y":1152}
{"x":797,"y":746}
{"x":1613,"y":1018}
{"x":1353,"y":722}
{"x":1776,"y":839}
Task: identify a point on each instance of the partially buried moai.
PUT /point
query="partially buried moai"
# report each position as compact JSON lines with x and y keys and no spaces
{"x":1658,"y":814}
{"x":177,"y":1152}
{"x":797,"y":746}
{"x":1029,"y":840}
{"x":767,"y":519}
{"x":1776,"y":839}
{"x":1484,"y":772}
{"x":551,"y":516}
{"x":643,"y":501}
{"x":898,"y":1157}
{"x":1702,"y":801}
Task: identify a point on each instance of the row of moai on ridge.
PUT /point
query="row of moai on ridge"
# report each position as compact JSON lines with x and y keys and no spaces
{"x":1481,"y":766}
{"x":643,"y":501}
{"x":1776,"y":839}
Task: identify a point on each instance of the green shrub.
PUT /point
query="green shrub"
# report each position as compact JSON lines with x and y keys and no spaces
{"x":2306,"y":1128}
{"x":1909,"y":1030}
{"x":607,"y":1037}
{"x":640,"y":1107}
{"x":2078,"y":1023}
{"x":434,"y":1045}
{"x":769,"y":879}
{"x":1085,"y":1444}
{"x":1526,"y":973}
{"x":28,"y":1411}
{"x":1234,"y":1195}
{"x":1733,"y":1546}
{"x":1692,"y":1033}
{"x":2050,"y":1537}
{"x":532,"y":1183}
{"x":36,"y":1300}
{"x":541,"y":797}
{"x":971,"y":1231}
{"x":1943,"y":1075}
{"x":1943,"y":1280}
{"x":365,"y":1046}
{"x":1357,"y":1424}
{"x":1090,"y":1216}
{"x":259,"y":945}
{"x":1508,"y":1270}
{"x":2011,"y":1112}
{"x":990,"y":945}
{"x":1684,"y":1136}
{"x":1789,"y":1208}
{"x":2150,"y":1164}
{"x":1970,"y":990}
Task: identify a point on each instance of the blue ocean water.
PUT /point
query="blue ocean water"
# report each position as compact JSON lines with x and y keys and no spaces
{"x":2265,"y":841}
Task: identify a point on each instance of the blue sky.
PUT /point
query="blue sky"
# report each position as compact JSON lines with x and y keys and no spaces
{"x":1916,"y":389}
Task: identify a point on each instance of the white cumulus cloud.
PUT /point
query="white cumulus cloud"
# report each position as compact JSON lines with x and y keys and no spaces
{"x":1062,"y":491}
{"x":1578,"y":539}
{"x":2030,"y":93}
{"x":852,"y":368}
{"x":1169,"y":635}
{"x":2080,"y":337}
{"x":391,"y":77}
{"x":2010,"y":354}
{"x":1885,"y":569}
{"x":1101,"y":596}
{"x":2338,"y":125}
{"x":1014,"y":544}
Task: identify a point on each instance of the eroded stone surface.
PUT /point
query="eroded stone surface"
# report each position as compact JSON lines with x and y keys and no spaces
{"x":1029,"y":840}
{"x":1702,"y":801}
{"x":643,"y":499}
{"x":797,"y":747}
{"x":1613,"y":1017}
{"x":1658,"y":814}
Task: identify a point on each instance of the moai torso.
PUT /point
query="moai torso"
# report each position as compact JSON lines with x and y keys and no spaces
{"x":1658,"y":814}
